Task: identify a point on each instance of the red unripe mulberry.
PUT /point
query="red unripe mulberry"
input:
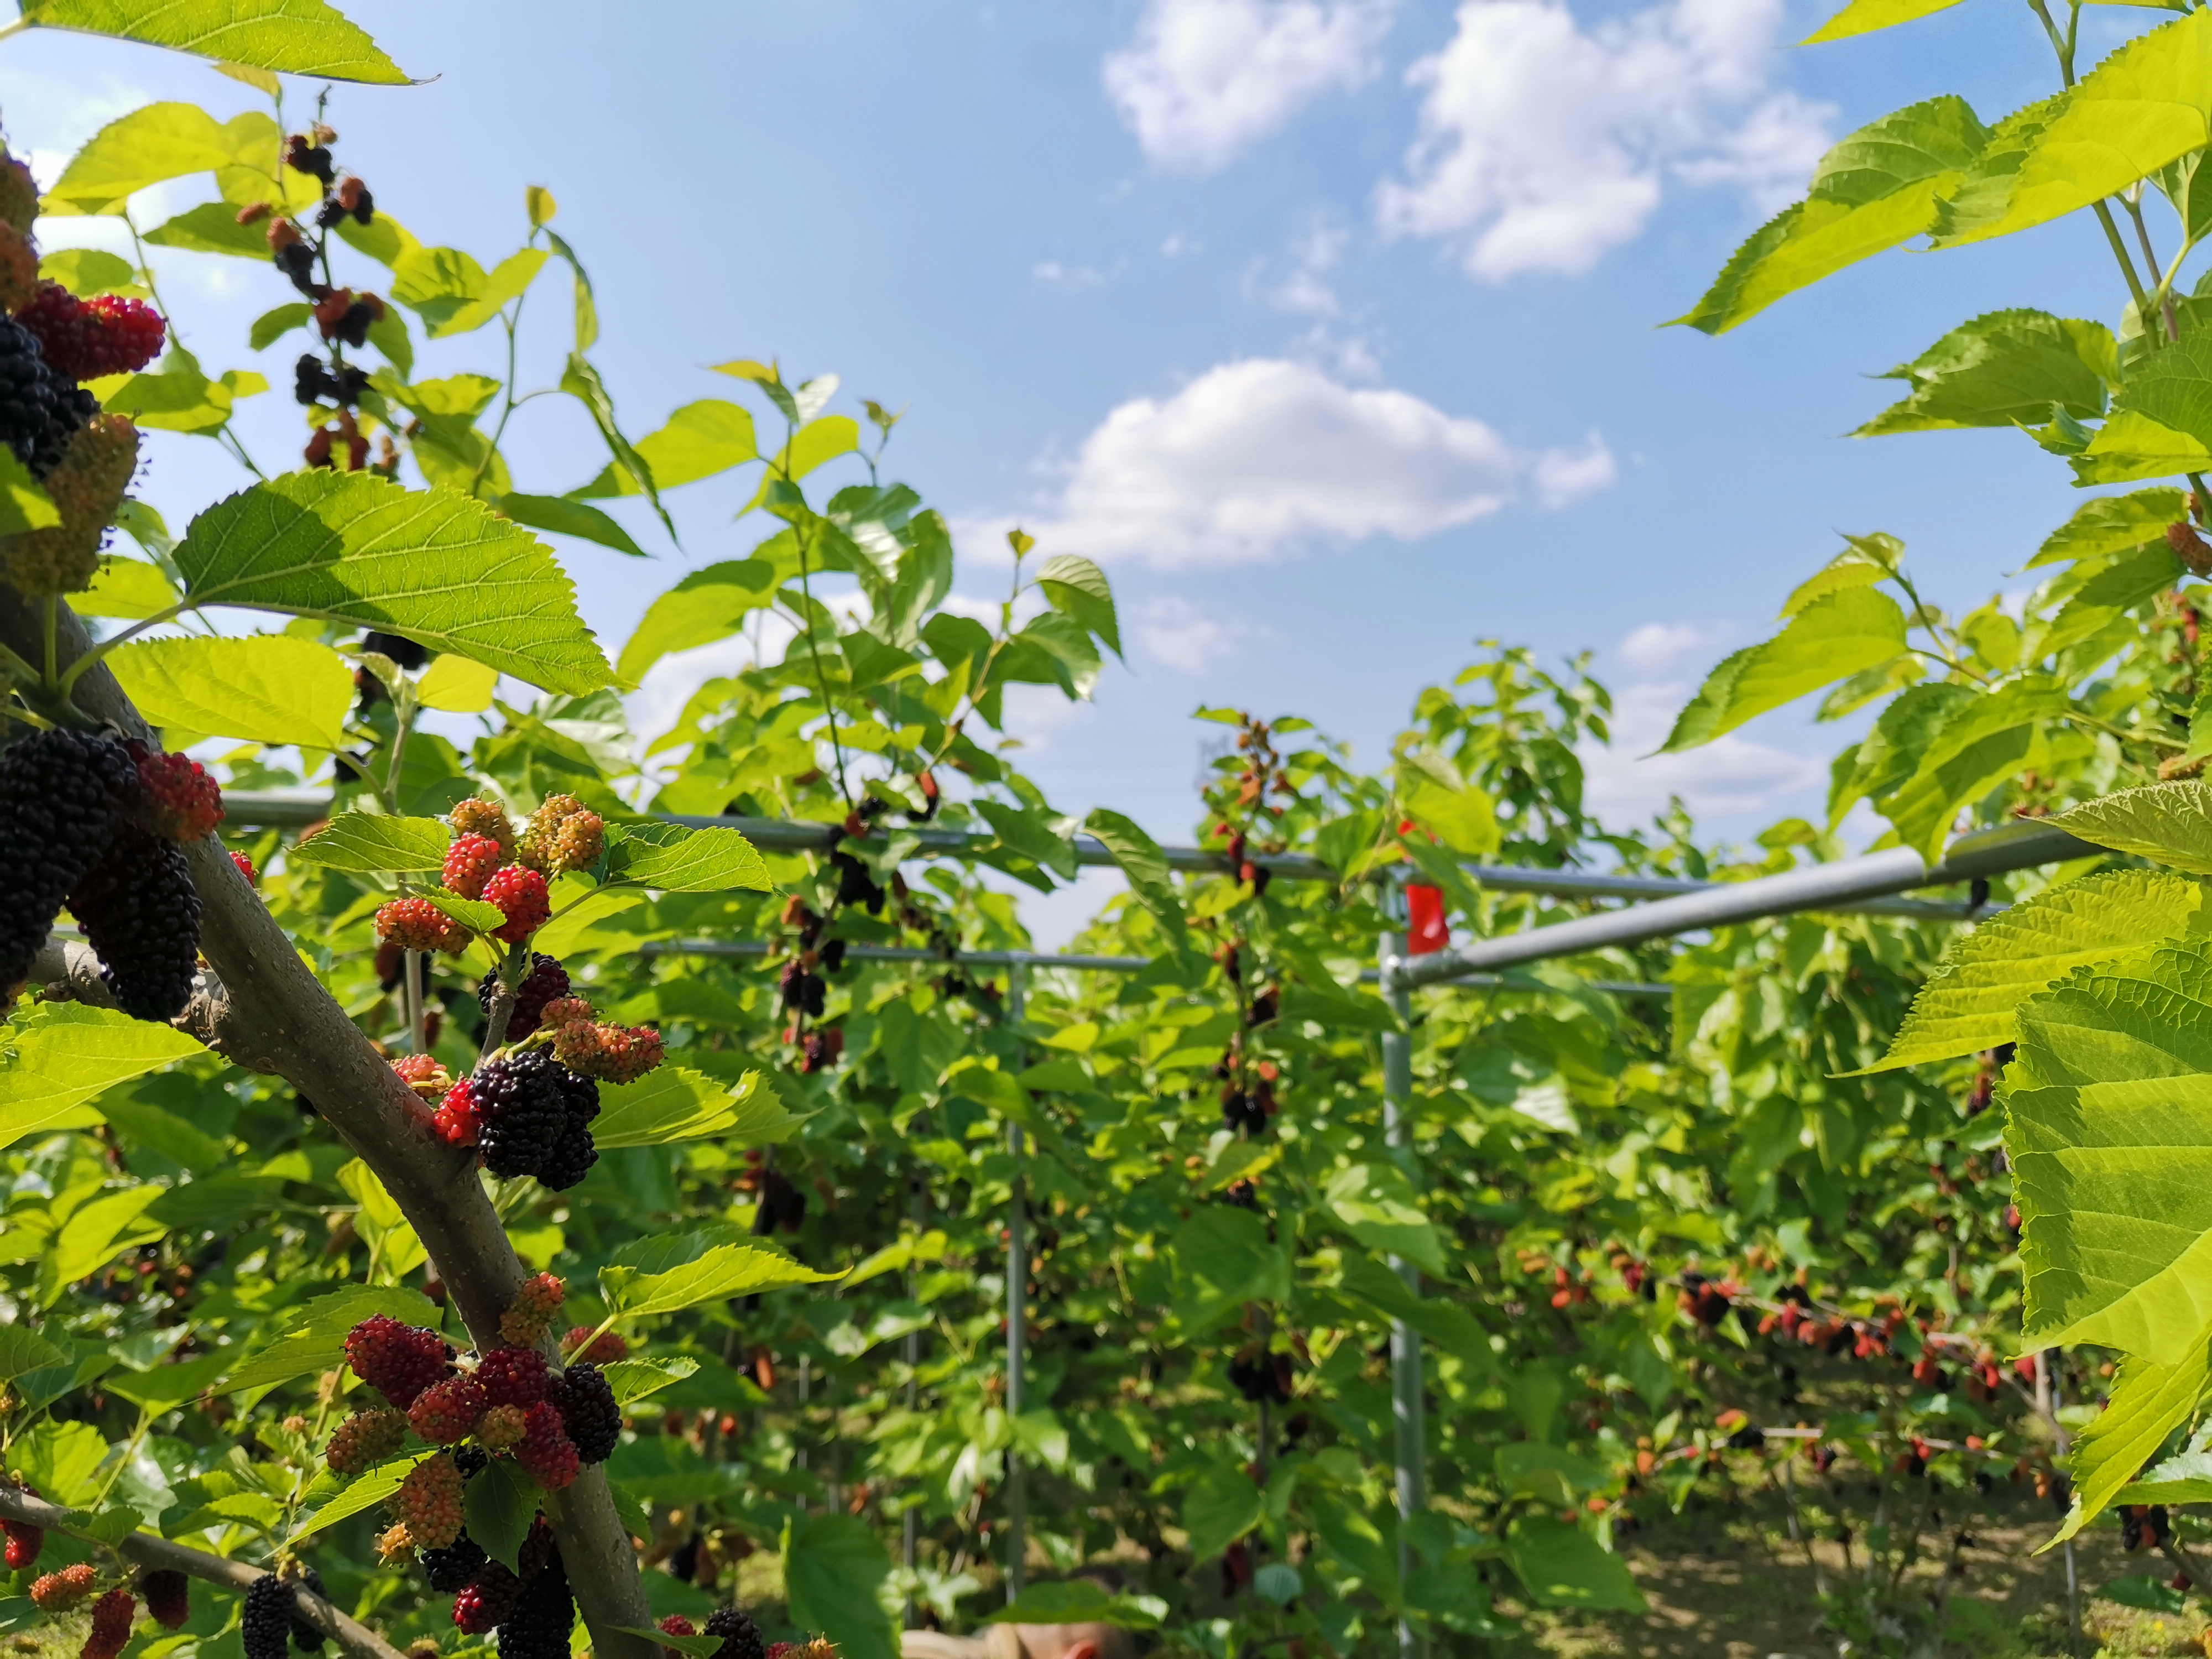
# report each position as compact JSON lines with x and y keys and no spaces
{"x":415,"y":924}
{"x":398,"y":1361}
{"x":469,"y":862}
{"x":520,"y":895}
{"x":608,"y":1347}
{"x":87,"y":339}
{"x":446,"y":1413}
{"x":24,"y":1543}
{"x":429,"y":1502}
{"x":537,"y":1305}
{"x":515,"y":1376}
{"x":54,"y":1592}
{"x":502,"y":1427}
{"x":366,"y":1439}
{"x":546,"y":1451}
{"x":488,"y":1600}
{"x":457,"y":1119}
{"x":177,"y":799}
{"x":112,"y":1618}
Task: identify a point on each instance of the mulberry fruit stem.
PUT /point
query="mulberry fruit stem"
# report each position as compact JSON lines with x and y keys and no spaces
{"x":511,"y":974}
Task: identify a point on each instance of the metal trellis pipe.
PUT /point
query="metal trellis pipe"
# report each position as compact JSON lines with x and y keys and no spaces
{"x":1411,"y":1449}
{"x":1018,"y":1273}
{"x":297,"y":809}
{"x":1839,"y":885}
{"x":1076,"y":962}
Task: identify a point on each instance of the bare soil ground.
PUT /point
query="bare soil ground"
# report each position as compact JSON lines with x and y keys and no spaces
{"x":1728,"y":1584}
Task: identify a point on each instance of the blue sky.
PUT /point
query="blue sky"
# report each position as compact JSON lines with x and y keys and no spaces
{"x":1326,"y":326}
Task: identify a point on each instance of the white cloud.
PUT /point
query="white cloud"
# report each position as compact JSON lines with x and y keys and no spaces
{"x":1544,"y":144}
{"x":1306,"y":290}
{"x":1656,"y":648}
{"x":1203,"y":79}
{"x":1261,"y":456}
{"x":1068,"y":276}
{"x":1627,"y":783}
{"x":671,"y":683}
{"x":1178,"y":634}
{"x":1733,"y":777}
{"x":1563,"y":476}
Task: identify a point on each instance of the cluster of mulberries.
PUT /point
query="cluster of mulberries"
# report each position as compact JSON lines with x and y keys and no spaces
{"x":74,"y":812}
{"x":511,"y":1402}
{"x":51,"y":341}
{"x":341,"y":317}
{"x":532,"y":1609}
{"x":489,"y":862}
{"x":527,"y":1115}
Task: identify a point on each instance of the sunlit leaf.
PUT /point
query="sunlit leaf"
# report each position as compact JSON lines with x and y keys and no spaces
{"x":270,"y":687}
{"x":296,"y":37}
{"x":433,"y":565}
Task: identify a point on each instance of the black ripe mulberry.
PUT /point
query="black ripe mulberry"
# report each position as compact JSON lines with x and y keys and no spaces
{"x":454,"y":1568}
{"x":587,"y":1406}
{"x":523,"y":1111}
{"x":546,"y":980}
{"x":533,"y":1112}
{"x":306,"y":1637}
{"x":168,"y":1597}
{"x":741,"y":1637}
{"x":545,"y":1614}
{"x":62,"y":795}
{"x":141,"y":914}
{"x":267,"y":1621}
{"x":574,"y":1153}
{"x":40,"y":408}
{"x":487,"y":1600}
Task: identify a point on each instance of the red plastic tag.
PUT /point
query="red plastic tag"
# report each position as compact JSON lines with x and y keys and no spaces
{"x":1426,"y":930}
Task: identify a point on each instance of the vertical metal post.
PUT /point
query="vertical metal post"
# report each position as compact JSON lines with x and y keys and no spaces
{"x":910,"y":1524}
{"x":1404,"y":1345}
{"x":1018,"y":1273}
{"x":2047,"y":1401}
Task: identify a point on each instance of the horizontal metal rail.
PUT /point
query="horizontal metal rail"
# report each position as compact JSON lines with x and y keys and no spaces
{"x":1976,"y":857}
{"x":1043,"y":960}
{"x":292,"y":810}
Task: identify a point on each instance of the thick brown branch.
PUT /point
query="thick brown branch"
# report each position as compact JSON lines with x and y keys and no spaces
{"x":143,"y":1549}
{"x":269,"y":1013}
